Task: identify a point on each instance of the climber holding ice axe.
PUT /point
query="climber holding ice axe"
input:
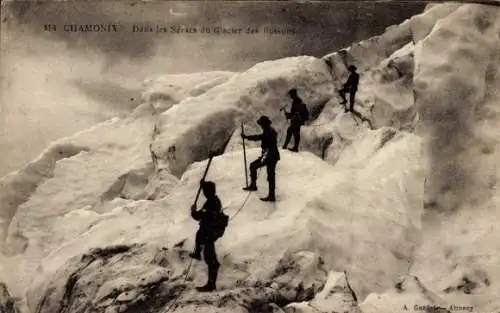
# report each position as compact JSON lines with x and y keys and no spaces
{"x":298,"y":115}
{"x":269,"y":157}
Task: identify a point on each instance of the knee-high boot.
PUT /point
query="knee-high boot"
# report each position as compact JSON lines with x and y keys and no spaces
{"x":213,"y":271}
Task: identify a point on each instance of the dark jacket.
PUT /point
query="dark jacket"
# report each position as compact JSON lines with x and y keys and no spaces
{"x":296,"y":111}
{"x":269,"y":143}
{"x":352,"y":82}
{"x":208,"y":215}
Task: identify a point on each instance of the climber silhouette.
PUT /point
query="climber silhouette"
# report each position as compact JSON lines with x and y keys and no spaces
{"x":209,"y":219}
{"x":298,"y":115}
{"x":269,"y":157}
{"x":351,"y":86}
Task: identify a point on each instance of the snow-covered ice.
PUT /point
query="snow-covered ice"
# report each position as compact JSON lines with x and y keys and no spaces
{"x":370,"y":217}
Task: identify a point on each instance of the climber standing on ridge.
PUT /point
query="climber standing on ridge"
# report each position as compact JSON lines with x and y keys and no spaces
{"x":212,"y":225}
{"x":269,"y":157}
{"x":298,"y":115}
{"x":351,"y":86}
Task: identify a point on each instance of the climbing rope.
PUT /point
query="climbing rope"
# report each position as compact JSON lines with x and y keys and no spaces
{"x":174,"y":302}
{"x":326,"y":123}
{"x":317,"y":125}
{"x":244,"y":201}
{"x":188,"y":269}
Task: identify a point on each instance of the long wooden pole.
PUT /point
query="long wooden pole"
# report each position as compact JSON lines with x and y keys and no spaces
{"x":244,"y":156}
{"x":204,"y":176}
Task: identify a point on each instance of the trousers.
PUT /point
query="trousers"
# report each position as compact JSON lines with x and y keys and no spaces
{"x":293,"y":130}
{"x":352,"y":95}
{"x":271,"y":172}
{"x":207,"y":245}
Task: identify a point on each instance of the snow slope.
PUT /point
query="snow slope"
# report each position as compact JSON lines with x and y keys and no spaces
{"x":262,"y":237}
{"x":131,"y":159}
{"x":100,"y":222}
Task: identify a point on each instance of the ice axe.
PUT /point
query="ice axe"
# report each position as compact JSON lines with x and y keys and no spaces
{"x":283,"y":108}
{"x":244,"y":154}
{"x":211,"y":155}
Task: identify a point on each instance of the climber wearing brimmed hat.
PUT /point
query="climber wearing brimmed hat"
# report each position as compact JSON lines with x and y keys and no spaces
{"x":269,"y":157}
{"x":351,"y":86}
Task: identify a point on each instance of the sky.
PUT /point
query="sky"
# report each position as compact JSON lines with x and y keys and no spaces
{"x":54,"y":84}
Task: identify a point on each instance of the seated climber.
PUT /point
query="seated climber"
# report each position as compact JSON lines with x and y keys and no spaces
{"x":269,"y":157}
{"x":298,"y":115}
{"x":212,"y":225}
{"x":351,"y":86}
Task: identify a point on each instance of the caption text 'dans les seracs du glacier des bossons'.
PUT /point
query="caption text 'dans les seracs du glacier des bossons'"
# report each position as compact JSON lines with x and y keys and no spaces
{"x":179,"y":29}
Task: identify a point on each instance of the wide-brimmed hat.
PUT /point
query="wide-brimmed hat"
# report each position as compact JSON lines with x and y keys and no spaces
{"x":264,"y":120}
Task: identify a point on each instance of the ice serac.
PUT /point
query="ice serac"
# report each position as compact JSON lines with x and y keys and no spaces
{"x":388,"y":91}
{"x":383,"y":164}
{"x":457,"y":81}
{"x":421,"y":25}
{"x":368,"y":53}
{"x":17,"y":187}
{"x":386,"y":64}
{"x":113,"y":155}
{"x":80,"y":177}
{"x":203,"y":124}
{"x":317,"y":138}
{"x":165,"y":91}
{"x":331,"y":132}
{"x":451,"y":96}
{"x":385,"y":99}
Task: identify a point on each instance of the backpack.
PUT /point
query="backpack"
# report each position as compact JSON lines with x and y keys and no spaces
{"x":304,"y":112}
{"x":220,"y":225}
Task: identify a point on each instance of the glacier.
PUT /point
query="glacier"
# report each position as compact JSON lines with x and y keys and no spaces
{"x":395,"y":207}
